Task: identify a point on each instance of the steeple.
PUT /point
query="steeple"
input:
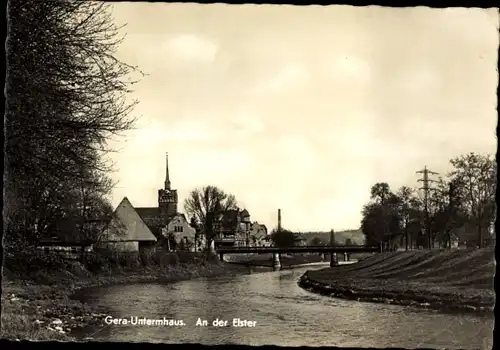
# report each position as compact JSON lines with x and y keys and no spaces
{"x":167,"y":177}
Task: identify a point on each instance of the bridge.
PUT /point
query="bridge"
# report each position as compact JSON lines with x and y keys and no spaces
{"x":333,"y":249}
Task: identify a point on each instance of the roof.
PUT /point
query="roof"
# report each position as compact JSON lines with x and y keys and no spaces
{"x":151,"y":216}
{"x":147,"y":212}
{"x":229,"y":219}
{"x":182,"y":215}
{"x":300,"y":237}
{"x":127,"y":224}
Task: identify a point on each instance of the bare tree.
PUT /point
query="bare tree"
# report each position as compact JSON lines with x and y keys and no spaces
{"x":66,"y":98}
{"x":204,"y":204}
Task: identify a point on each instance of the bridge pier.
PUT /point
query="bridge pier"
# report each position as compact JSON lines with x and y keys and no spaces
{"x":333,"y":259}
{"x":276,"y":261}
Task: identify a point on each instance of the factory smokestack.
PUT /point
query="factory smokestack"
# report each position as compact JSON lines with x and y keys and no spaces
{"x":279,"y":220}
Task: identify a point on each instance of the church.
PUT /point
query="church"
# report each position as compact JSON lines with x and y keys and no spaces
{"x":133,"y":228}
{"x":138,"y":228}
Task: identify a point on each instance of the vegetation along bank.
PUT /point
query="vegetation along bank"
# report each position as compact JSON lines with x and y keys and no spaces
{"x":449,"y":279}
{"x":37,"y":305}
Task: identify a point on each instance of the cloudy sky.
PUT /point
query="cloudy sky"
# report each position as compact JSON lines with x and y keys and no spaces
{"x":303,"y":108}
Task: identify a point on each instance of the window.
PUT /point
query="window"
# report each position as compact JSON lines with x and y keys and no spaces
{"x":178,"y":229}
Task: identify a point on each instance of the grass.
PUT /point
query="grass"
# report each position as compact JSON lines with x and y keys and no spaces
{"x":456,"y":279}
{"x":21,"y":327}
{"x":31,"y":306}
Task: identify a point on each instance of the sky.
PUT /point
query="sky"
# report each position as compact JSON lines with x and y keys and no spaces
{"x":302,"y":108}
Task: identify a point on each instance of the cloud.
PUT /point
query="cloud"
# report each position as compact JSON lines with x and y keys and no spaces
{"x":289,"y":76}
{"x":215,"y":166}
{"x":349,"y":68}
{"x":248,"y":122}
{"x":183,"y":130}
{"x":312,"y":100}
{"x":419,"y":79}
{"x":192,"y":48}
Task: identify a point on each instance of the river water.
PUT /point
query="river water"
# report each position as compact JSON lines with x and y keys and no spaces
{"x":284,"y":313}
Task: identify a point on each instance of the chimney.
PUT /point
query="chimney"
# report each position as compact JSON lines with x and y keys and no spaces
{"x":279,"y":220}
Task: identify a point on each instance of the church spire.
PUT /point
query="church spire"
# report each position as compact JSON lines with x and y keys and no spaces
{"x":167,"y":177}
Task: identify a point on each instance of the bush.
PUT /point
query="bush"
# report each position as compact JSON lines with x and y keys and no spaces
{"x":105,"y":259}
{"x":96,"y":262}
{"x":188,"y":257}
{"x":27,"y":262}
{"x":149,"y":257}
{"x":127,"y":259}
{"x":168,"y":258}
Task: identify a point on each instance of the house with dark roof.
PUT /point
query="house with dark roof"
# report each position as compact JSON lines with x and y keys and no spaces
{"x":232,"y":228}
{"x":300,"y":239}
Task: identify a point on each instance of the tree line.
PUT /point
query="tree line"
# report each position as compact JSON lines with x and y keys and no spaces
{"x":458,"y":206}
{"x":66,"y":99}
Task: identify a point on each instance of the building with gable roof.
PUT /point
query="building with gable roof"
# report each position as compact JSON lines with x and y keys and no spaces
{"x":165,"y":226}
{"x":232,"y":228}
{"x":164,"y":223}
{"x":127,"y":231}
{"x":258,"y":235}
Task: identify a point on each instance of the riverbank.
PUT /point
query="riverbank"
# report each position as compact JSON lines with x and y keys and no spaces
{"x":266,"y":260}
{"x":35,"y":311}
{"x":452,"y":279}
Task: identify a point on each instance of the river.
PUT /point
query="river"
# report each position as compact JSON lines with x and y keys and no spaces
{"x":284,"y":313}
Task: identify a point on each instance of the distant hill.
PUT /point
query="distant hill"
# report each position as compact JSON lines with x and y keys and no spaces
{"x":356,"y":236}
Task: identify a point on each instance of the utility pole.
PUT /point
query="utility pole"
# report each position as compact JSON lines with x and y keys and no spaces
{"x":426,"y":172}
{"x":451,"y":211}
{"x":333,"y":255}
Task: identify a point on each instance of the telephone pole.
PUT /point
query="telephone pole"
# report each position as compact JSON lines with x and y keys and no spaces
{"x":426,"y":181}
{"x":451,"y":211}
{"x":333,"y":255}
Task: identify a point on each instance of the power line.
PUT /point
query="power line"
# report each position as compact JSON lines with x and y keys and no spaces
{"x":426,"y":188}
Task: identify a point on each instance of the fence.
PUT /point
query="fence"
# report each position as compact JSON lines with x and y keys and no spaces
{"x":69,"y":253}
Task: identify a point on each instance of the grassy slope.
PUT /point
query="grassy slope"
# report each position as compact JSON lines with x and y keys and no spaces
{"x":26,"y":303}
{"x":286,"y":260}
{"x":454,"y":278}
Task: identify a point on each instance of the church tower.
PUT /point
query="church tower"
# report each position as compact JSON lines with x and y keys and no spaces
{"x":167,"y":198}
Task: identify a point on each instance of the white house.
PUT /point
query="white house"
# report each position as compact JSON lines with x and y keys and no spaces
{"x":258,"y":233}
{"x":183,"y":232}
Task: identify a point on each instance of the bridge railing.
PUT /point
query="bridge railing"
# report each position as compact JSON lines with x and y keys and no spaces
{"x":338,"y":248}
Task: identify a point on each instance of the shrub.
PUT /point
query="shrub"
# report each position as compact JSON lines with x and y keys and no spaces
{"x":128,"y":259}
{"x":149,"y":257}
{"x":96,"y":262}
{"x":25,"y":263}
